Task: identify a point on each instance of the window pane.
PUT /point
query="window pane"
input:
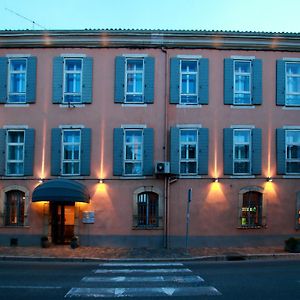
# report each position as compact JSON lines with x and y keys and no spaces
{"x":17,"y":83}
{"x":71,"y":136}
{"x":242,"y":66}
{"x":15,"y":168}
{"x":15,"y":152}
{"x":293,"y":85}
{"x":72,"y":83}
{"x":241,"y":151}
{"x":133,"y":136}
{"x":16,"y":137}
{"x":293,"y":152}
{"x":71,"y":168}
{"x":293,"y":167}
{"x":134,"y":64}
{"x":293,"y":68}
{"x":242,"y":83}
{"x":293,"y":137}
{"x":188,"y":136}
{"x":188,"y":66}
{"x":73,"y":65}
{"x":188,"y":167}
{"x":133,"y":168}
{"x":241,"y":136}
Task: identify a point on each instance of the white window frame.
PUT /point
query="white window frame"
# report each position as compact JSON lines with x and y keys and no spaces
{"x":286,"y":82}
{"x":239,"y":160}
{"x":134,"y":72}
{"x":66,"y":59}
{"x":188,"y":160}
{"x":7,"y":152}
{"x":63,"y":144}
{"x":188,"y":73}
{"x":133,"y":160}
{"x":9,"y":73}
{"x":236,"y":102}
{"x":286,"y":151}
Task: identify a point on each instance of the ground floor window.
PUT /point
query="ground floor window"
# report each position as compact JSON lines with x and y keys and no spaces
{"x":14,"y":208}
{"x":251,"y":210}
{"x":147,"y":209}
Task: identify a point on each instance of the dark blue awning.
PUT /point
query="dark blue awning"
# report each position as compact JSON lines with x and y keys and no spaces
{"x":61,"y":190}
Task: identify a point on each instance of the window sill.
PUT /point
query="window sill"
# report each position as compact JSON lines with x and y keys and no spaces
{"x":132,"y":177}
{"x":243,"y":106}
{"x":291,"y":108}
{"x":72,"y":176}
{"x":22,"y":177}
{"x":242,"y":176}
{"x":134,"y":105}
{"x":16,"y":105}
{"x":147,"y":228}
{"x":189,"y":176}
{"x":291,"y":176}
{"x":188,"y":106}
{"x":11,"y":226}
{"x":252,"y":227}
{"x":71,"y":105}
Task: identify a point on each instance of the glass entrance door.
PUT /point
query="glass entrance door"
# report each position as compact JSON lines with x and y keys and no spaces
{"x":62,"y":222}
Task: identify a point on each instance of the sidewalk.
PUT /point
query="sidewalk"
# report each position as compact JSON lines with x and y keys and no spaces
{"x":82,"y":253}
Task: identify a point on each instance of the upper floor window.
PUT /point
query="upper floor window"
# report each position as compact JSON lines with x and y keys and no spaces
{"x":17,"y":80}
{"x":189,"y":81}
{"x":134,"y":79}
{"x":15,"y":152}
{"x":288,"y":82}
{"x":133,"y":151}
{"x":242,"y":81}
{"x":17,"y":148}
{"x":72,"y":80}
{"x":71,"y":141}
{"x":189,"y":151}
{"x":70,"y":151}
{"x":292,"y":138}
{"x":14,"y":208}
{"x":242,"y":151}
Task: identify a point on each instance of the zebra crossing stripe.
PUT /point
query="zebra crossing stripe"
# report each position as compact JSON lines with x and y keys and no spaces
{"x":165,"y":279}
{"x":129,"y":271}
{"x":143,"y":292}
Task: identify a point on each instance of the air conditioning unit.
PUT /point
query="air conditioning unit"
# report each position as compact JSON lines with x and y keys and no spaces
{"x":162,"y":167}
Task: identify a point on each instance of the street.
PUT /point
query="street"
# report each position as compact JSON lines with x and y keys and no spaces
{"x":274,"y":279}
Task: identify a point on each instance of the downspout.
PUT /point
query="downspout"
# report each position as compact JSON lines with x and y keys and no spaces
{"x":166,"y":178}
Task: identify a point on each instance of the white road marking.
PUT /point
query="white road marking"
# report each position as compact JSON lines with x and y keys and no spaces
{"x":174,"y":279}
{"x":128,"y":271}
{"x":142,"y":292}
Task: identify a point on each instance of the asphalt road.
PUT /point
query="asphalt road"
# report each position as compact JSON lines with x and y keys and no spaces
{"x":198,"y":280}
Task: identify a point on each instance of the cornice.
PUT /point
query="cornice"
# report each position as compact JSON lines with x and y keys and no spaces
{"x":150,"y":39}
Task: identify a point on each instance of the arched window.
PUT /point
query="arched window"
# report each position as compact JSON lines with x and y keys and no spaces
{"x":252,"y":208}
{"x":14,"y":208}
{"x":147,"y":207}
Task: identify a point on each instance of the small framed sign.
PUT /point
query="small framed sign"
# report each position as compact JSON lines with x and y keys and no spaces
{"x":88,"y":217}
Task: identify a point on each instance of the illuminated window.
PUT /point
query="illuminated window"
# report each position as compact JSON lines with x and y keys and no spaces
{"x":292,"y":138}
{"x":188,"y":151}
{"x":242,"y":82}
{"x":251,"y":210}
{"x":292,"y":83}
{"x":14,"y":208}
{"x":242,"y":151}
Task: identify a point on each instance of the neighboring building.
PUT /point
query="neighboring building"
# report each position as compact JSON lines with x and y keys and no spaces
{"x":103,"y":132}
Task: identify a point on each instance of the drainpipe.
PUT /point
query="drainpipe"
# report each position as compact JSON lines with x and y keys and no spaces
{"x":166,"y":178}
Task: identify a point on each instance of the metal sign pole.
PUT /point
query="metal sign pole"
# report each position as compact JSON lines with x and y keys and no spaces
{"x":188,"y":218}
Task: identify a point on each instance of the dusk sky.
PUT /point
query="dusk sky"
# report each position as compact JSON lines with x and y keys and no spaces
{"x":236,"y":15}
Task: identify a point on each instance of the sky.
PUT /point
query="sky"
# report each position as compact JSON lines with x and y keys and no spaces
{"x":235,"y":15}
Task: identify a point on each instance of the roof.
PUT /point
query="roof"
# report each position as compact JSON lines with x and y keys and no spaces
{"x":145,"y":38}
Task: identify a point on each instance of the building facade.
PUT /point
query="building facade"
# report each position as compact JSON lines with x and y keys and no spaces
{"x":104,"y":132}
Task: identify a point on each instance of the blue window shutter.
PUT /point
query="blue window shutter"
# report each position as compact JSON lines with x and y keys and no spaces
{"x":87,"y":80}
{"x":2,"y":151}
{"x":280,"y":82}
{"x":119,"y":79}
{"x":174,"y":80}
{"x":85,"y":159}
{"x":118,"y":151}
{"x":203,"y":139}
{"x":57,"y":80}
{"x":55,"y":151}
{"x":3,"y":79}
{"x":203,"y":90}
{"x":148,"y":151}
{"x":149,"y":79}
{"x":31,"y":79}
{"x":280,"y":151}
{"x":228,"y":81}
{"x":256,"y":151}
{"x":257,"y":81}
{"x":228,"y":151}
{"x":29,"y":152}
{"x":174,"y":150}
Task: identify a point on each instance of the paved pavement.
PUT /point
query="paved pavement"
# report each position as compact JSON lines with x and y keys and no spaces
{"x":84,"y":253}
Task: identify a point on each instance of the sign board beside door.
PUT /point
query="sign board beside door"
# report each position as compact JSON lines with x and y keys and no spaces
{"x":88,"y":217}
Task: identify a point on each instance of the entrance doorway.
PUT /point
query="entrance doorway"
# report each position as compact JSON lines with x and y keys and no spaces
{"x":62,"y":222}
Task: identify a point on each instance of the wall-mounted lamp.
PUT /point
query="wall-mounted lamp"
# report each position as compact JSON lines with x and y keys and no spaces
{"x":269,"y":179}
{"x":216,"y":179}
{"x":100,"y":181}
{"x":41,"y":180}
